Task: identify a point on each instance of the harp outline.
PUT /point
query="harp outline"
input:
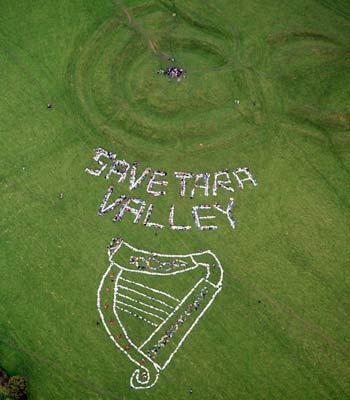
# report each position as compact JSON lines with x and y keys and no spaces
{"x":141,"y":377}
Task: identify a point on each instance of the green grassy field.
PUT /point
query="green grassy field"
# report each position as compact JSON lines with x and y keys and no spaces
{"x":280,"y":327}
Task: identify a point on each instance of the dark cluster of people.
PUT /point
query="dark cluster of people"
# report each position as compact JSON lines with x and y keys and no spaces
{"x":172,"y":72}
{"x":152,"y":263}
{"x":165,"y":339}
{"x":115,"y":242}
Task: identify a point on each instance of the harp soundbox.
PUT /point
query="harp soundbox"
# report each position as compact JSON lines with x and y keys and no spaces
{"x":150,"y":302}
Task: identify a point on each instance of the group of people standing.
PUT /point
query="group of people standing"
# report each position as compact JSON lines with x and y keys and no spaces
{"x":172,"y":72}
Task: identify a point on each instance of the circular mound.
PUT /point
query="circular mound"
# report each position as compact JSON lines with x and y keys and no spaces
{"x":121,"y":93}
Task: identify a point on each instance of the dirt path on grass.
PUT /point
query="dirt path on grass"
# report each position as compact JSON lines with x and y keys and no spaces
{"x":151,"y":43}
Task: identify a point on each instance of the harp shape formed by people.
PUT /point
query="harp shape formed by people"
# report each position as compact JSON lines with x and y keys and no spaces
{"x":150,"y":302}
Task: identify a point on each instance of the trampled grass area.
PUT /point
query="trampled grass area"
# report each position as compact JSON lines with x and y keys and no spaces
{"x":280,"y":328}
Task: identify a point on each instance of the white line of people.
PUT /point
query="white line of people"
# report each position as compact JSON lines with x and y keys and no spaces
{"x":138,"y":316}
{"x":147,"y":222}
{"x":176,"y":227}
{"x":104,"y":210}
{"x":197,"y":220}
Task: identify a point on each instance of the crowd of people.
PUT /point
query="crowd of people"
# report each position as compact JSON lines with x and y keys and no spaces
{"x":153,"y":263}
{"x":172,"y":72}
{"x":169,"y":333}
{"x":114,"y":243}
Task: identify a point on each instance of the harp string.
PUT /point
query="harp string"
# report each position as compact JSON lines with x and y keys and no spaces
{"x":139,"y":309}
{"x":142,"y":303}
{"x":137,"y":292}
{"x":137,"y":316}
{"x":149,"y":288}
